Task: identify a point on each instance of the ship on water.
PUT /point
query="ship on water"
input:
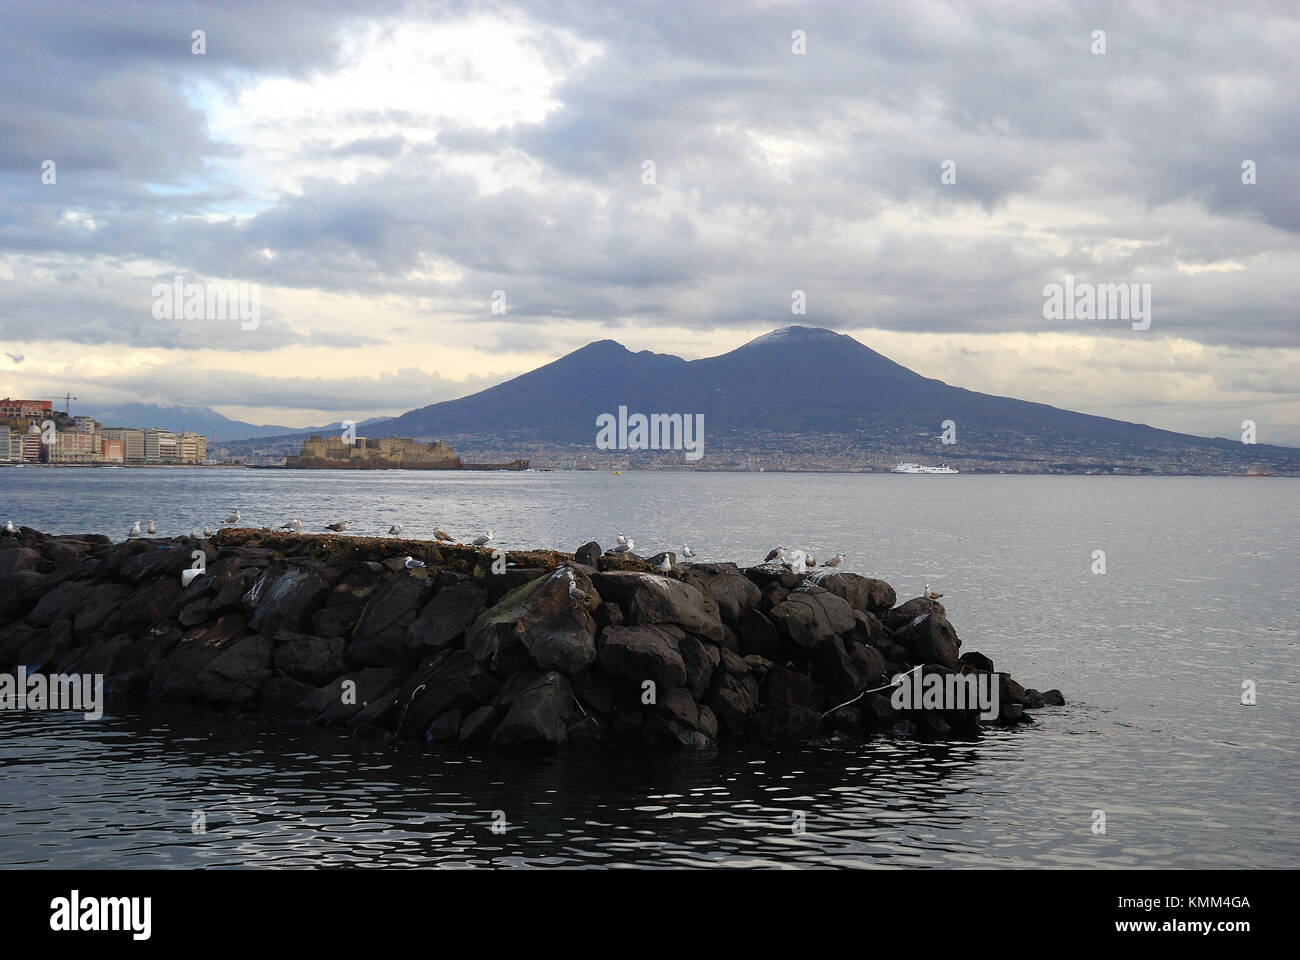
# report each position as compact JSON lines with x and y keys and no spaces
{"x":919,"y":468}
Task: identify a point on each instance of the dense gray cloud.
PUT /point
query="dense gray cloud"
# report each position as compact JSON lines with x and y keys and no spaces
{"x":774,"y":171}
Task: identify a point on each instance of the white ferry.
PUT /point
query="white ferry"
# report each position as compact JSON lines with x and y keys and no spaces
{"x":918,"y":468}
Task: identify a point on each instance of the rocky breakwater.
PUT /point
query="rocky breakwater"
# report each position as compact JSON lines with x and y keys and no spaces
{"x":526,"y":650}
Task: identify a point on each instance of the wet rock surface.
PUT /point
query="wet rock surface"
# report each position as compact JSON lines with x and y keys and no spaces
{"x":556,"y":650}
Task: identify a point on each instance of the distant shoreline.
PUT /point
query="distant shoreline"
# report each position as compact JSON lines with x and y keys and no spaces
{"x":965,"y":472}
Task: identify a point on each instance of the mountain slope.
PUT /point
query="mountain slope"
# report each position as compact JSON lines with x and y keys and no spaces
{"x":800,"y":380}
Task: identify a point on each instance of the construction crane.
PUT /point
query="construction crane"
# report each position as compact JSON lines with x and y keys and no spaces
{"x":67,"y":404}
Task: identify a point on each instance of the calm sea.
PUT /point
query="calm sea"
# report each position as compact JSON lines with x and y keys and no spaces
{"x":1200,"y":594}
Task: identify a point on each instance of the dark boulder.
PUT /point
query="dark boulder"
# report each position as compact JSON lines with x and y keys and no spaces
{"x":869,"y":629}
{"x":648,"y":598}
{"x":97,"y":603}
{"x":233,"y":677}
{"x":176,"y":676}
{"x":789,"y":688}
{"x":280,"y":696}
{"x":287,"y":601}
{"x":18,"y":558}
{"x":445,"y":726}
{"x":156,"y":561}
{"x":538,"y":623}
{"x":861,"y":593}
{"x":47,"y":646}
{"x":757,"y":634}
{"x":477,"y":728}
{"x":977,"y":660}
{"x":538,"y":715}
{"x":731,"y":590}
{"x":445,"y":618}
{"x":846,"y":667}
{"x":346,"y":601}
{"x":143,"y":608}
{"x":637,"y":654}
{"x":588,"y":554}
{"x":700,"y":660}
{"x":380,"y":635}
{"x":811,"y":616}
{"x":735,"y":693}
{"x":344,"y":698}
{"x":61,"y":603}
{"x":499,"y":585}
{"x":19,"y":591}
{"x":905,"y":613}
{"x":766,"y":575}
{"x":452,"y":680}
{"x":930,"y":638}
{"x":312,"y":660}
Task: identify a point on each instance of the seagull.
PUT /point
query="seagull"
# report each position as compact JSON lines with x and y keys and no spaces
{"x":625,"y":547}
{"x":207,"y":531}
{"x":395,"y":530}
{"x":811,"y":560}
{"x":338,"y":527}
{"x":135,"y":530}
{"x":484,"y":540}
{"x":10,"y":528}
{"x":444,"y":537}
{"x":152,"y":528}
{"x":834,"y":561}
{"x":622,"y":539}
{"x":233,"y":518}
{"x":687,"y":552}
{"x":665,"y":565}
{"x":293,"y":526}
{"x":413,"y":564}
{"x":575,"y":592}
{"x":775,"y":555}
{"x":930,"y":594}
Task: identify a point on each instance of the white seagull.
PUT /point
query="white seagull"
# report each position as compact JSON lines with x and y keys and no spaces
{"x":776,"y":554}
{"x":484,"y":540}
{"x":834,"y":561}
{"x":338,"y":526}
{"x":395,"y":530}
{"x":622,"y":539}
{"x":687,"y":552}
{"x":135,"y":530}
{"x":10,"y":528}
{"x":413,"y":564}
{"x":444,"y":537}
{"x":233,"y":518}
{"x":152,"y":528}
{"x":575,"y":592}
{"x":293,"y":526}
{"x":930,"y":594}
{"x":625,"y":547}
{"x":207,"y":531}
{"x":665,"y":565}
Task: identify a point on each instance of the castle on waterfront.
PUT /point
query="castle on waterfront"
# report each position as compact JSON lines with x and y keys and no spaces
{"x":385,"y":453}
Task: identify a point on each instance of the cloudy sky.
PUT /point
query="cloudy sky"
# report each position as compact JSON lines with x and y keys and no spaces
{"x":379,"y":169}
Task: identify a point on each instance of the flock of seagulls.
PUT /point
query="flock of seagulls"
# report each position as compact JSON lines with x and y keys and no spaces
{"x":138,"y":529}
{"x":799,"y":564}
{"x":801,"y":560}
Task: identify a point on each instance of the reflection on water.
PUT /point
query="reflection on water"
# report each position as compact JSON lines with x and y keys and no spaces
{"x":1200,"y":594}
